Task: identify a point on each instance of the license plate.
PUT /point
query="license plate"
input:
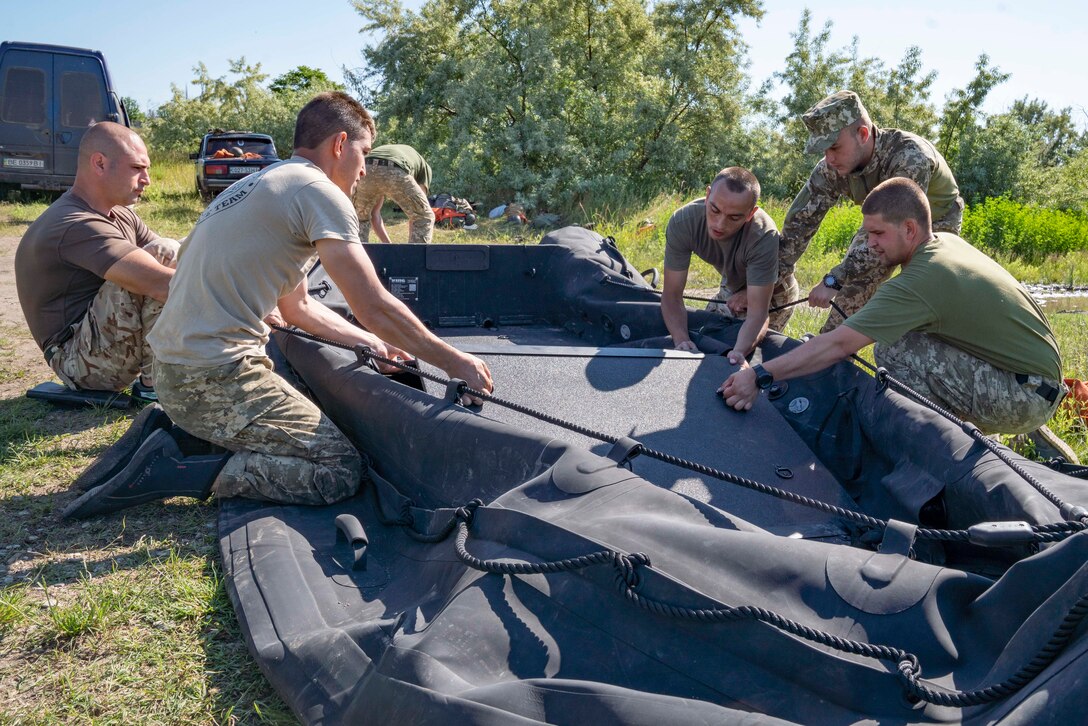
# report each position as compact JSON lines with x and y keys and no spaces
{"x":242,"y":170}
{"x":24,"y":163}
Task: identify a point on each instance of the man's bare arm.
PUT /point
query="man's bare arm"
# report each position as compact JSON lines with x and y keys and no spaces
{"x":139,"y":273}
{"x":740,"y":390}
{"x":389,"y":318}
{"x":377,"y":223}
{"x":673,"y":311}
{"x":755,"y":324}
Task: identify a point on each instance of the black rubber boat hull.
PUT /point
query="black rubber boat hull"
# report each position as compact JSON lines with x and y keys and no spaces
{"x":421,"y":637}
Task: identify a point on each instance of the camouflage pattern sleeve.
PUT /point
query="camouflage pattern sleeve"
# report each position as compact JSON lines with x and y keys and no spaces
{"x":910,"y":161}
{"x":804,"y":216}
{"x":859,"y":265}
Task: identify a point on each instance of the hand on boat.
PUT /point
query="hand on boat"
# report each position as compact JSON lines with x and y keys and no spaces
{"x":475,"y":373}
{"x":821,"y":296}
{"x":686,"y":345}
{"x":740,"y":390}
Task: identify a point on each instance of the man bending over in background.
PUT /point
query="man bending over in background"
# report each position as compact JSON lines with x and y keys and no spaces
{"x":399,"y":172}
{"x":730,"y":232}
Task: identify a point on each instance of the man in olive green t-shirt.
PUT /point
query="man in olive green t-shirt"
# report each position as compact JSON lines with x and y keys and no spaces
{"x":399,"y":172}
{"x":953,"y":325}
{"x":728,"y":230}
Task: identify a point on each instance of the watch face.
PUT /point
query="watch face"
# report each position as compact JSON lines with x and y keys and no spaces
{"x":763,"y":378}
{"x":832,"y":282}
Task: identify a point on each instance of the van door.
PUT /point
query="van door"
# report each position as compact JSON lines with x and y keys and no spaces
{"x":26,"y":112}
{"x":80,"y":101}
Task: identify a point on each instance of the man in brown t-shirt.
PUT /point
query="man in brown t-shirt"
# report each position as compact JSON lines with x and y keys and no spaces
{"x":729,"y":231}
{"x":91,"y":276}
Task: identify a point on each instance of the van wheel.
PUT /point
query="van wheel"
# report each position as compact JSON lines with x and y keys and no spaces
{"x":206,"y":196}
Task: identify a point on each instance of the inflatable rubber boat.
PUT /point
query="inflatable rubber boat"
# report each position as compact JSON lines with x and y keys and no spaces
{"x":607,"y":542}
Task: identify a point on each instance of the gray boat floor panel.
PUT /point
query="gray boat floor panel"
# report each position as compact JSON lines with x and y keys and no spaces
{"x":580,"y":385}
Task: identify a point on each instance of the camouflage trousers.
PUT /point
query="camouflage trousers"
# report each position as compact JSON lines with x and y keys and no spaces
{"x":285,"y":449}
{"x":971,"y":388}
{"x":867,"y":274}
{"x":394,"y":183}
{"x":785,"y":291}
{"x":108,"y":348}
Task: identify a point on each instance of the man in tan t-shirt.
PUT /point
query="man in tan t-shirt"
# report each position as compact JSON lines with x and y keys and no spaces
{"x":728,"y":230}
{"x":246,"y":257}
{"x":91,"y":276}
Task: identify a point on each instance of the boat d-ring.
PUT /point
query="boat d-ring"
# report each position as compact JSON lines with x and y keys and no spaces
{"x":784,"y":472}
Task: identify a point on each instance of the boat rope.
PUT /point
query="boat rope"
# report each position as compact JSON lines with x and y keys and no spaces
{"x":623,"y":283}
{"x":908,"y":666}
{"x":1026,"y":534}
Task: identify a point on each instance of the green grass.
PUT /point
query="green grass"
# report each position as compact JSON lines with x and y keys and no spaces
{"x":128,"y":620}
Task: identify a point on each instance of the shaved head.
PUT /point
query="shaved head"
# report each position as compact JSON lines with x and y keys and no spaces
{"x":108,"y":138}
{"x":113,"y":166}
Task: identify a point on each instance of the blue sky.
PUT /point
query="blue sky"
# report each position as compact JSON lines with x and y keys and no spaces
{"x":150,"y":44}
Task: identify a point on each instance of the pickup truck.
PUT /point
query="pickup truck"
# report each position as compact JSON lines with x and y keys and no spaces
{"x":227,"y":156}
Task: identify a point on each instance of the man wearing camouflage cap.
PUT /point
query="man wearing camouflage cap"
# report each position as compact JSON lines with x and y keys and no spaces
{"x":953,"y":325}
{"x":857,"y":157}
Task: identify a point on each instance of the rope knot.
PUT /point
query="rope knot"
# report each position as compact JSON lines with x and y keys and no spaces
{"x":626,"y":564}
{"x":909,"y":667}
{"x":468,"y":511}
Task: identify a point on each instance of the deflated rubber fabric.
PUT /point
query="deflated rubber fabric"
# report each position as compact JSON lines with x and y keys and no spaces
{"x":356,"y":621}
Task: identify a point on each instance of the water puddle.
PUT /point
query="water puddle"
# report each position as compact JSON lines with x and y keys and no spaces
{"x":1060,"y":298}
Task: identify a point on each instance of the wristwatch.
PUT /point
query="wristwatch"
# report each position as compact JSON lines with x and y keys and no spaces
{"x":764,"y":379}
{"x":831,"y":281}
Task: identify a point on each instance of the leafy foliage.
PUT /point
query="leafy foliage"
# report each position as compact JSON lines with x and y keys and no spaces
{"x":1031,"y":233}
{"x":303,"y":79}
{"x":242,"y":104}
{"x":564,"y":102}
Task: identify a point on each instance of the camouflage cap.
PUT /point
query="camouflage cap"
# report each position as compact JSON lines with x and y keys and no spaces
{"x":830,"y":116}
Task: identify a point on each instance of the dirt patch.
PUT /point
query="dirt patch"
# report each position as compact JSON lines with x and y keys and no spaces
{"x":20,"y":352}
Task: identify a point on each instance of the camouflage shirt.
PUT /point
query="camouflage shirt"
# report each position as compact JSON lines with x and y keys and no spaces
{"x":896,"y":153}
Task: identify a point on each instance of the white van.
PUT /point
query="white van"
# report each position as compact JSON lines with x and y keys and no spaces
{"x":49,"y":96}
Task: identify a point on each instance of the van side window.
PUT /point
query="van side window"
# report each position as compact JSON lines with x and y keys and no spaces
{"x":81,"y":101}
{"x":23,"y":99}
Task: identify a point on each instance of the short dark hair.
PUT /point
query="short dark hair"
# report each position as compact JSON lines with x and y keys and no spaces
{"x":737,"y":179}
{"x":897,"y":200}
{"x":330,"y":113}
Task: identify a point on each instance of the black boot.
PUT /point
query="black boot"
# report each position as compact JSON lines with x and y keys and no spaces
{"x":114,"y":459}
{"x":157,"y":471}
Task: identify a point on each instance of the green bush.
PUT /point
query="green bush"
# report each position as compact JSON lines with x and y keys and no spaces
{"x":1028,"y":232}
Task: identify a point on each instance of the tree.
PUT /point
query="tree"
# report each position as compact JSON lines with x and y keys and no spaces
{"x":564,"y":104}
{"x":303,"y":79}
{"x":135,"y":114}
{"x":897,"y":98}
{"x":243,"y":104}
{"x":962,"y":108}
